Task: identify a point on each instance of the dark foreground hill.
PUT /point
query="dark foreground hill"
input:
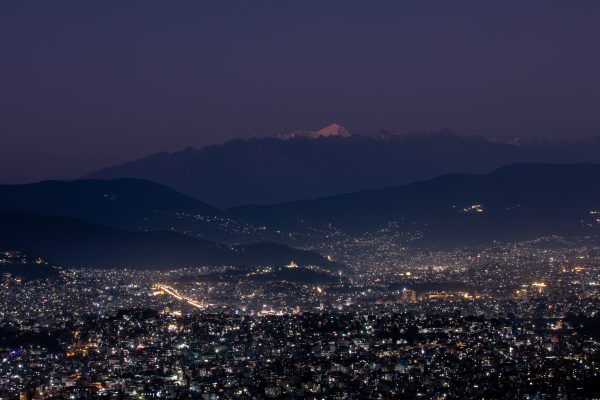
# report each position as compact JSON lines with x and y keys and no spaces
{"x":71,"y":242}
{"x":123,"y":203}
{"x":512,"y":203}
{"x":29,"y":271}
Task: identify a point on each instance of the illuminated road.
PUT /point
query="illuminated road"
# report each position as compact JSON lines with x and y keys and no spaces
{"x":174,"y":293}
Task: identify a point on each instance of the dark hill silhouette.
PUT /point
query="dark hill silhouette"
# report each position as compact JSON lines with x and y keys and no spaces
{"x":70,"y":242}
{"x":124,"y":203}
{"x":30,"y":271}
{"x":511,"y":203}
{"x":516,"y":202}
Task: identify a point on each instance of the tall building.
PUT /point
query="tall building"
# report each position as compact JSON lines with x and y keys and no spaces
{"x":409,"y":295}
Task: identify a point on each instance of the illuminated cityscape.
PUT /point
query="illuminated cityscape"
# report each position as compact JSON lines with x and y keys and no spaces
{"x":439,"y":324}
{"x":340,"y":200}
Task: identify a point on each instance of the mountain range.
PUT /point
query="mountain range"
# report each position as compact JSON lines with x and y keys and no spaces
{"x":520,"y":201}
{"x":329,"y":161}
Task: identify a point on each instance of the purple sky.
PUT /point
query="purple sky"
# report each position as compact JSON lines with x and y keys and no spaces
{"x":89,"y":84}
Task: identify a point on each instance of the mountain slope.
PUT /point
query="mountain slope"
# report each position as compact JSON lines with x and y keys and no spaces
{"x":124,"y":203}
{"x":514,"y":202}
{"x":71,"y":242}
{"x":269,"y":170}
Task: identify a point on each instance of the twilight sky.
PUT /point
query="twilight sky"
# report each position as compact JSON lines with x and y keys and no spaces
{"x":90,"y":84}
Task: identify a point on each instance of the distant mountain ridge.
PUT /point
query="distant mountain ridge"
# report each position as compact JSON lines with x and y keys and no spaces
{"x":273,"y":170}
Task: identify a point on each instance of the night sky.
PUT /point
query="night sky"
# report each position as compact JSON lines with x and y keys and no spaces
{"x":89,"y":84}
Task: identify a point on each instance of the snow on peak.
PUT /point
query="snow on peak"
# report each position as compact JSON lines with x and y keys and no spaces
{"x":329,"y":130}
